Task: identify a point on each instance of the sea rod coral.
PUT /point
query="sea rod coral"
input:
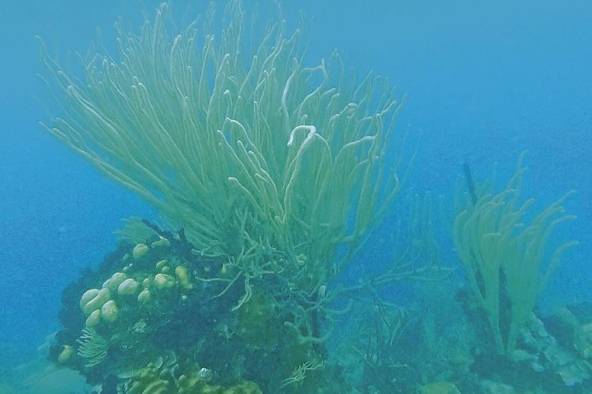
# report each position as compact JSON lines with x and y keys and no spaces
{"x":262,"y":160}
{"x":506,"y":258}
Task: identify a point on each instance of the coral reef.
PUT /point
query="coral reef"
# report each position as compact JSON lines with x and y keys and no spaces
{"x":273,"y":171}
{"x":159,"y":306}
{"x":276,"y":165}
{"x":272,"y":175}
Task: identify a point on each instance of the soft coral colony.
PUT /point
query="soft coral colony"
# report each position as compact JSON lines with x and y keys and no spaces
{"x":274,"y":172}
{"x":266,"y":165}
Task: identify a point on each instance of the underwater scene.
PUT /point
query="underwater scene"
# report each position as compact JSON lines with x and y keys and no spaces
{"x":332,"y":197}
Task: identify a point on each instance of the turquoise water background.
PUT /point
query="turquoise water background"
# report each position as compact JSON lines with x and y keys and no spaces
{"x":482,"y":82}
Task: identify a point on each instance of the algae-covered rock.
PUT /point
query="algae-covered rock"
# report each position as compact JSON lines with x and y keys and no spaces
{"x":256,"y":321}
{"x":562,"y":358}
{"x":166,"y":306}
{"x":574,"y":373}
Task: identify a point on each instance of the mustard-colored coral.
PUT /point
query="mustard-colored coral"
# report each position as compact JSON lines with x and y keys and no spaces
{"x":154,"y":379}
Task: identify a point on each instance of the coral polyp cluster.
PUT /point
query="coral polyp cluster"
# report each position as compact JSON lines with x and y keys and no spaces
{"x":133,"y":286}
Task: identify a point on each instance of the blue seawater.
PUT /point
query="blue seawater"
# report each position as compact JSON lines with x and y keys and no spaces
{"x":481,"y":81}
